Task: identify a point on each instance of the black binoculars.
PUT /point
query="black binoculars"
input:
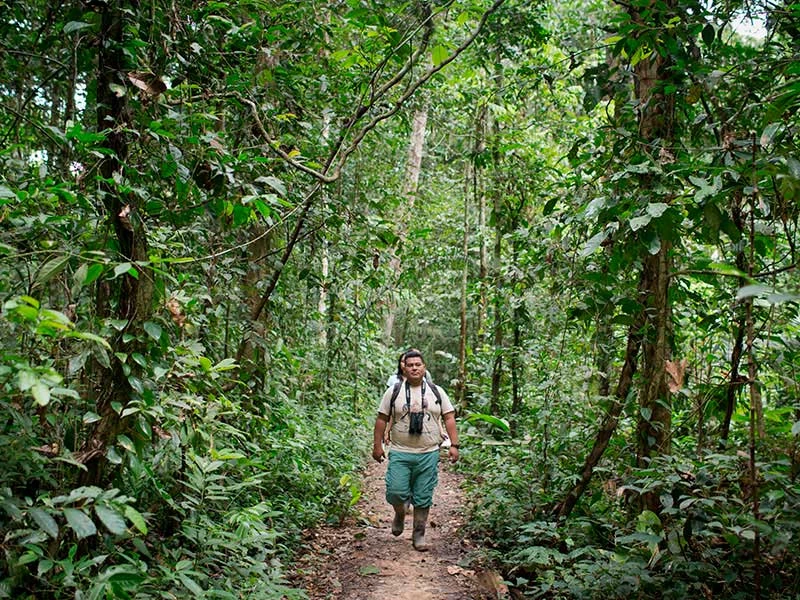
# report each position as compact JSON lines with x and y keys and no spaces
{"x":415,"y":422}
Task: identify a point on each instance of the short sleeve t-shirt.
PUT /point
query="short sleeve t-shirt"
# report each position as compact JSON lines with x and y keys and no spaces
{"x":431,"y":436}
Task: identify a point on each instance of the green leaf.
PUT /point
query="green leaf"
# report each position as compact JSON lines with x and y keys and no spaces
{"x":769,"y":134}
{"x":41,"y":393}
{"x":118,"y":324}
{"x":135,"y":517}
{"x":92,"y":337}
{"x":638,"y":222}
{"x":44,"y":566}
{"x":749,"y":291}
{"x":26,"y":379}
{"x":73,"y":26}
{"x":90,"y":417}
{"x":45,"y":522}
{"x":93,"y":273}
{"x":153,"y":330}
{"x":594,"y":243}
{"x":111,"y":519}
{"x":191,"y":584}
{"x":501,"y":424}
{"x":124,"y":441}
{"x":122,"y":268}
{"x":708,"y":34}
{"x":726,"y":269}
{"x":51,"y":269}
{"x":796,"y":428}
{"x":439,"y":54}
{"x":82,"y":525}
{"x":225,"y":364}
{"x":273,"y":182}
{"x":656,"y":209}
{"x":62,"y":392}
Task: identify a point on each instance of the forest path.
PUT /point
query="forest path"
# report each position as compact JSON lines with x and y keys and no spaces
{"x":362,"y":560}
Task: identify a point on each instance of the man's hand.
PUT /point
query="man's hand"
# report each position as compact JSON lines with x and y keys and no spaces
{"x":452,"y":453}
{"x":377,"y":453}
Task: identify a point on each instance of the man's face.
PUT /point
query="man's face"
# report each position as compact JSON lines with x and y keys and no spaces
{"x":414,"y":369}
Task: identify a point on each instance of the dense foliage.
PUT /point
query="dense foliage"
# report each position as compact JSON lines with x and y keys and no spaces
{"x":220,"y":221}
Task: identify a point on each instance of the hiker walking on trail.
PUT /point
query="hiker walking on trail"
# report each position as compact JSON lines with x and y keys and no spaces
{"x":414,"y":406}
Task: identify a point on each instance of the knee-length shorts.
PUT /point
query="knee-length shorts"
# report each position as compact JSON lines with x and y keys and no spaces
{"x":412,"y":477}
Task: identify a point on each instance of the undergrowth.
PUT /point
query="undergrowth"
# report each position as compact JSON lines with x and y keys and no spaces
{"x":705,"y":539}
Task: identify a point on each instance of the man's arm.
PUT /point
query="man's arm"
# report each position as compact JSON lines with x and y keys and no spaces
{"x":452,"y":433}
{"x":377,"y":437}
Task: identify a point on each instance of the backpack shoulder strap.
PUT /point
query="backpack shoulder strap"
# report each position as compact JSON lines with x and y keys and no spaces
{"x":395,"y":392}
{"x":436,"y":392}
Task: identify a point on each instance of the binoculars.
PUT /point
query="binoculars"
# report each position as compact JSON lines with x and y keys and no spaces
{"x":415,"y":422}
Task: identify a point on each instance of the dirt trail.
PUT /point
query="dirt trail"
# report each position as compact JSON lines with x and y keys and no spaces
{"x":362,"y":560}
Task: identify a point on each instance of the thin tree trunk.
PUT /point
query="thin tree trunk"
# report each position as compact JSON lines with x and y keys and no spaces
{"x":755,"y":413}
{"x":497,"y":255}
{"x":258,"y":267}
{"x":324,"y":266}
{"x":655,"y":422}
{"x":480,"y":195}
{"x":516,"y":351}
{"x":483,"y":270}
{"x":462,"y":338}
{"x":411,"y":183}
{"x":497,"y":338}
{"x":610,"y":421}
{"x":735,"y":380}
{"x":603,"y":345}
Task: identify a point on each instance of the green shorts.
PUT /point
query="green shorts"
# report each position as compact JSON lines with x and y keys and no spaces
{"x":412,"y":477}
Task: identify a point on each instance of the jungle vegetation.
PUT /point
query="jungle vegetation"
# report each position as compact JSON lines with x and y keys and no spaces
{"x":220,"y":222}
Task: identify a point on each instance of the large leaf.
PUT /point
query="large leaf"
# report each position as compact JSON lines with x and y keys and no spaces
{"x":45,"y":521}
{"x":50,"y":269}
{"x":501,"y":424}
{"x":82,"y":525}
{"x":111,"y":519}
{"x":135,"y":517}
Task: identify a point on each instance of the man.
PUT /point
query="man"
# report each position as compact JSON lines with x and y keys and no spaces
{"x":413,"y":470}
{"x":396,"y":378}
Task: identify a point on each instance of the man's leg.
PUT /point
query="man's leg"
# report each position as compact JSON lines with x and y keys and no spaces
{"x":398,"y":487}
{"x":424,"y":478}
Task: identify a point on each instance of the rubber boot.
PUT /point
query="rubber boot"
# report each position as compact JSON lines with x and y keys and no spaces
{"x":418,"y":536}
{"x":398,"y":523}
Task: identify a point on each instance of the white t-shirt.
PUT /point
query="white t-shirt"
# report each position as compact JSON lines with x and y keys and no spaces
{"x":431,"y":436}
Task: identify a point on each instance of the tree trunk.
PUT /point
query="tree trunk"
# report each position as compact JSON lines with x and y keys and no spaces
{"x":475,"y":190}
{"x":483,"y":260}
{"x":756,"y":414}
{"x":259,"y":266}
{"x":735,"y":380}
{"x":497,"y":337}
{"x":410,"y":185}
{"x":609,"y":424}
{"x":516,"y":350}
{"x":497,"y":255}
{"x":134,"y":293}
{"x":460,"y":394}
{"x":655,"y":417}
{"x":656,"y":123}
